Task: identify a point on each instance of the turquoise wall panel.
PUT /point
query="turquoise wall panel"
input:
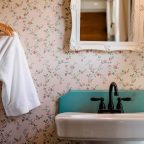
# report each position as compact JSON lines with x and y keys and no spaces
{"x":79,"y":101}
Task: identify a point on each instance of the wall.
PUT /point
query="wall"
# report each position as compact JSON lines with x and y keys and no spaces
{"x":93,"y":6}
{"x":44,"y":28}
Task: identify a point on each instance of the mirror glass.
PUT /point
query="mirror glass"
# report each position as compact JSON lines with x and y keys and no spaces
{"x":106,"y":20}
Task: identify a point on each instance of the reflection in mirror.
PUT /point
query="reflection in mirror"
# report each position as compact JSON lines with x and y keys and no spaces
{"x":106,"y":20}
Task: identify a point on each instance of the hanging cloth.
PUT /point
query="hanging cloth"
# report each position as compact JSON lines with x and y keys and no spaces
{"x":19,"y":95}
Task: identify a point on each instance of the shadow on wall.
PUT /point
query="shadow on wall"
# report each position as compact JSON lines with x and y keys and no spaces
{"x":66,"y":14}
{"x":2,"y":112}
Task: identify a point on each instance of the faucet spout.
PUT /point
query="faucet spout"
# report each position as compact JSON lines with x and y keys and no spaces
{"x":112,"y":85}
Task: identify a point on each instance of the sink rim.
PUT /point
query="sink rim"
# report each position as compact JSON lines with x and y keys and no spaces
{"x":102,"y":117}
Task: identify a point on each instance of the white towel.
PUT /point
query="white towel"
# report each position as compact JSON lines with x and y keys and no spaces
{"x":19,"y":95}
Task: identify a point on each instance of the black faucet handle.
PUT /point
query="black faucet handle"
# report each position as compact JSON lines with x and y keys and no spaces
{"x":97,"y":99}
{"x":102,"y":104}
{"x":119,"y":105}
{"x":126,"y":99}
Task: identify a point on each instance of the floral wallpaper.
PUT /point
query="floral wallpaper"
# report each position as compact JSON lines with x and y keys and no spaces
{"x":44,"y":28}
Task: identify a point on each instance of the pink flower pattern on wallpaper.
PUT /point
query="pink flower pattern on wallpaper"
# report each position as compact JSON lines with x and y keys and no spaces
{"x":44,"y":28}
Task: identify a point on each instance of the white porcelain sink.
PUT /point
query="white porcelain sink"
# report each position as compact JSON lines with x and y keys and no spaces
{"x":93,"y":126}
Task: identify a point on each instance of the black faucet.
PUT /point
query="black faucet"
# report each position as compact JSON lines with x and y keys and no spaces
{"x":111,"y":109}
{"x":110,"y":104}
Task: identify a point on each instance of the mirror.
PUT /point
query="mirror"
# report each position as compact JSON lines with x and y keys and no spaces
{"x":106,"y":20}
{"x":107,"y":25}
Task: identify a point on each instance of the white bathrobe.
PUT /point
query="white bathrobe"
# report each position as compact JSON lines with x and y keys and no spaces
{"x":19,"y":95}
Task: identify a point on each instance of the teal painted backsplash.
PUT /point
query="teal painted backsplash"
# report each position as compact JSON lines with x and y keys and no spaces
{"x":79,"y":101}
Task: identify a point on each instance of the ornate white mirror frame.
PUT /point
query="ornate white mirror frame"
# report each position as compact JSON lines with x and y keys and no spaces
{"x":76,"y":44}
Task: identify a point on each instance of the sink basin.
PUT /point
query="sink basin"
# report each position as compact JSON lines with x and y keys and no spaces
{"x":92,"y":126}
